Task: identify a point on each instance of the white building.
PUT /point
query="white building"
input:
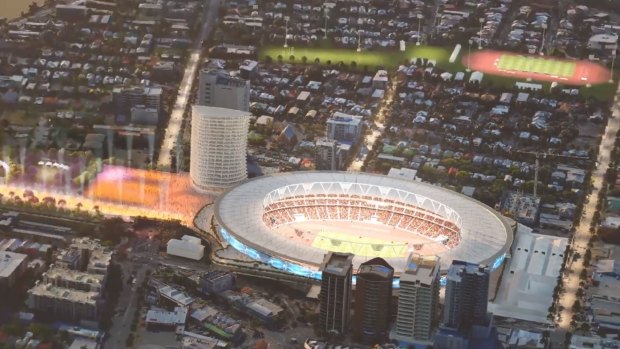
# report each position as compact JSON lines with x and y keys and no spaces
{"x":218,"y":147}
{"x":582,"y":342}
{"x":526,"y":290}
{"x":188,"y":247}
{"x":12,"y":265}
{"x":220,"y":89}
{"x":417,"y":302}
{"x":608,"y":42}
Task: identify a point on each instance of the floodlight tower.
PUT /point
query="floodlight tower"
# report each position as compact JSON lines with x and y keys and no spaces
{"x":420,"y":16}
{"x":542,"y":43}
{"x":480,"y":38}
{"x":611,"y":74}
{"x":286,"y":32}
{"x":469,"y":42}
{"x":537,"y":156}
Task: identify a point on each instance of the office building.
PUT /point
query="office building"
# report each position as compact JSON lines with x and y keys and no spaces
{"x":12,"y":266}
{"x":336,"y":292}
{"x":418,"y":300}
{"x":126,"y":98}
{"x":344,"y":129}
{"x":218,"y":147}
{"x":466,"y":323}
{"x":373,"y":300}
{"x":467,"y":293}
{"x":217,"y":88}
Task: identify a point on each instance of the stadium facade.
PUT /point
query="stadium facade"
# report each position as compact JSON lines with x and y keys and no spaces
{"x":247,"y":214}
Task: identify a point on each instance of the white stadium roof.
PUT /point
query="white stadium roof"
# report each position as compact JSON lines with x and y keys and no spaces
{"x":485,"y":235}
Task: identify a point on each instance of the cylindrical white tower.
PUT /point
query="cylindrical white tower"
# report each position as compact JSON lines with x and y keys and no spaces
{"x":218,"y":147}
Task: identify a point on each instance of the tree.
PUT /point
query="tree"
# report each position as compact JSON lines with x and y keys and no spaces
{"x":576,"y":306}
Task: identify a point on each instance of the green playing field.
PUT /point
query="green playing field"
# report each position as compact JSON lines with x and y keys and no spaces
{"x":537,"y":65}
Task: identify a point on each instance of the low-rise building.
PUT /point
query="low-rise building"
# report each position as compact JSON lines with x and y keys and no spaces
{"x":187,"y":247}
{"x":12,"y":266}
{"x":217,"y":281}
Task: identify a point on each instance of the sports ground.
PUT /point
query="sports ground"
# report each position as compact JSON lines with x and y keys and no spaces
{"x":360,"y":238}
{"x":537,"y":65}
{"x":551,"y":69}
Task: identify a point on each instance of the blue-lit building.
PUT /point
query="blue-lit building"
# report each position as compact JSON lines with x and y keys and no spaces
{"x":466,"y":322}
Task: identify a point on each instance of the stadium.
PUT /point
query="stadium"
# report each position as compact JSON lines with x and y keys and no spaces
{"x":289,"y":221}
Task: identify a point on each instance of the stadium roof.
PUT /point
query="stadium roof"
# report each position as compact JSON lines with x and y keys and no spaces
{"x":485,"y":235}
{"x":526,"y":290}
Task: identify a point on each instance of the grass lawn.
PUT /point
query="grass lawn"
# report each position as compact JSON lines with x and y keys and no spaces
{"x":385,"y":59}
{"x":538,"y":65}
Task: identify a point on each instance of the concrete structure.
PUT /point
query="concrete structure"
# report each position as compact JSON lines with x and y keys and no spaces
{"x":217,"y":281}
{"x":373,"y":300}
{"x":526,"y":289}
{"x":220,"y":89}
{"x":466,"y":323}
{"x":187,"y":247}
{"x":344,"y":129}
{"x":65,"y":303}
{"x":418,"y":302}
{"x":336,"y":292}
{"x":12,"y":265}
{"x":218,"y":147}
{"x":141,"y":115}
{"x":73,"y":289}
{"x":126,"y":98}
{"x":325,"y":156}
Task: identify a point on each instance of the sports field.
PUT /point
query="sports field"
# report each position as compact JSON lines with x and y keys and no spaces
{"x":361,"y":246}
{"x":536,"y":65}
{"x":360,"y":238}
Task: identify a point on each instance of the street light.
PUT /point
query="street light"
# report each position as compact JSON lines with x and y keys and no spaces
{"x":542,"y":44}
{"x":286,"y":32}
{"x":480,"y":38}
{"x":611,"y":74}
{"x":419,"y":27}
{"x":469,"y":42}
{"x":359,"y":40}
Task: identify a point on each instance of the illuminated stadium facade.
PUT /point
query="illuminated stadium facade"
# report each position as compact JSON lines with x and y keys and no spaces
{"x":289,"y":221}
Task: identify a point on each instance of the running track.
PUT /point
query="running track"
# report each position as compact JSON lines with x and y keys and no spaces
{"x":586,"y":72}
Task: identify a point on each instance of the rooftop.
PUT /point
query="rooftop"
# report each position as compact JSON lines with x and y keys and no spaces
{"x":337,"y":264}
{"x":421,"y":268}
{"x":9,"y":262}
{"x":50,"y":291}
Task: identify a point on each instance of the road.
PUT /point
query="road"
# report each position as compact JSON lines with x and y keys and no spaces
{"x":582,"y":231}
{"x":185,"y":88}
{"x":378,"y":126}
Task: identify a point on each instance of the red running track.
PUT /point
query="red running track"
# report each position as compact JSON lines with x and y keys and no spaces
{"x":586,"y":72}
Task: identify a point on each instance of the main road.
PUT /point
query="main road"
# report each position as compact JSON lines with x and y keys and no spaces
{"x":185,"y":88}
{"x":582,"y":231}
